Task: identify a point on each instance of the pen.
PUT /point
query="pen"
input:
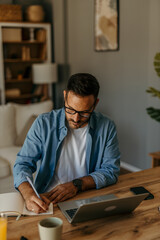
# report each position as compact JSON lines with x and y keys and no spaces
{"x":30,"y":182}
{"x":18,"y":217}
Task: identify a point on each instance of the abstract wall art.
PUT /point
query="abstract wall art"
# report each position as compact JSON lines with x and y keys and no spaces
{"x":106,"y":25}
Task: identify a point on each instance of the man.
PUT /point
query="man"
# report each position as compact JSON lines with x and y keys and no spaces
{"x":75,"y":148}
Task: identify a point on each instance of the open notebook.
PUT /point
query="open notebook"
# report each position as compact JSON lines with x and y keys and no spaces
{"x":12,"y":204}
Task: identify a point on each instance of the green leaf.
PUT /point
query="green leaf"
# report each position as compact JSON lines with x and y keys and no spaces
{"x":157,"y":56}
{"x":157,"y":63}
{"x":154,"y":92}
{"x":154,"y":113}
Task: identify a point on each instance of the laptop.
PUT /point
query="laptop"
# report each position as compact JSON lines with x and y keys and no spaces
{"x":98,"y":207}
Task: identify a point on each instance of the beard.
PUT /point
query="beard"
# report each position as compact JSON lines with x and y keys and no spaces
{"x":78,"y":124}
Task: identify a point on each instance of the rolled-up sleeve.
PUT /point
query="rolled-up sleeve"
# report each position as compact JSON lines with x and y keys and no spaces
{"x":30,"y":153}
{"x":108,"y":163}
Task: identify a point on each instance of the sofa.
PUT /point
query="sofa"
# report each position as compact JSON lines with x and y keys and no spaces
{"x":15,"y":121}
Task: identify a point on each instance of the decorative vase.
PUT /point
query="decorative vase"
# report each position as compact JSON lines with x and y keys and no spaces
{"x":35,"y":13}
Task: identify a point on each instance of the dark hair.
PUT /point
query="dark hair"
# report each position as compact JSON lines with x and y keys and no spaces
{"x":83,"y":84}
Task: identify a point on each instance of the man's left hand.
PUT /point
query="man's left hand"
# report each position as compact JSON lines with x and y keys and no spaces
{"x":62,"y":192}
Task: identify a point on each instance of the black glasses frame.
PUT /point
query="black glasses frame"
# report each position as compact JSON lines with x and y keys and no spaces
{"x":81,"y":113}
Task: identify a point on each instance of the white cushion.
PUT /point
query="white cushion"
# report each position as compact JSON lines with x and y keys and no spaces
{"x":22,"y":136}
{"x":7,"y":185}
{"x":4,"y":168}
{"x":7,"y":126}
{"x":10,"y":154}
{"x":24,"y":112}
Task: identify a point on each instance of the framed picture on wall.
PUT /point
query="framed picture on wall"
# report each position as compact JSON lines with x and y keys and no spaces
{"x":106,"y":25}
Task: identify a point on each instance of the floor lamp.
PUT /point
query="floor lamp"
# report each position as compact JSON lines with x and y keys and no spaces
{"x":44,"y":74}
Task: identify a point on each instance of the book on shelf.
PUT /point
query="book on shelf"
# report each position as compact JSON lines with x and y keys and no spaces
{"x":12,"y":204}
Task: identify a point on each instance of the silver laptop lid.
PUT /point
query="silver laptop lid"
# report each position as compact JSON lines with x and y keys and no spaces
{"x":98,"y":207}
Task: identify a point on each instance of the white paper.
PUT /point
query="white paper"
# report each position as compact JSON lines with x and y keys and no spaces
{"x":13,"y":204}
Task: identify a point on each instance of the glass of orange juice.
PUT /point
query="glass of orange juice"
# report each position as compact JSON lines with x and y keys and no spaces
{"x":3,"y":227}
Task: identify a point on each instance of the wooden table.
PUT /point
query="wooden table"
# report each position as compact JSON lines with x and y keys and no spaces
{"x":143,"y":223}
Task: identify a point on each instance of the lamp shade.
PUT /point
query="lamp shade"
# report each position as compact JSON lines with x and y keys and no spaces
{"x":44,"y":73}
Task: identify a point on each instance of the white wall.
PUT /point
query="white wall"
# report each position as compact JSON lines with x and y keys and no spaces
{"x":124,"y":75}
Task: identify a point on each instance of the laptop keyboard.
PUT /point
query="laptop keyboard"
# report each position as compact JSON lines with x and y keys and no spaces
{"x":71,"y":212}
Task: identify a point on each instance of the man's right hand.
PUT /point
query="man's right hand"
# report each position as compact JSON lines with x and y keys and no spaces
{"x":33,"y":203}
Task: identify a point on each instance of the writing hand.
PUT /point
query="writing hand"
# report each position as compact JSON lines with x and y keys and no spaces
{"x":62,"y":192}
{"x":33,"y":203}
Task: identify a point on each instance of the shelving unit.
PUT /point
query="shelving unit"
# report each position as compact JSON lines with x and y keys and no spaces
{"x":30,"y":44}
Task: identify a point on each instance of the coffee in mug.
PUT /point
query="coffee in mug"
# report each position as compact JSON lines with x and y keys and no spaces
{"x":50,"y":228}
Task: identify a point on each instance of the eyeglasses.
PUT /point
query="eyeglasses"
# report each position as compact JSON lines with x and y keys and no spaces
{"x":85,"y":114}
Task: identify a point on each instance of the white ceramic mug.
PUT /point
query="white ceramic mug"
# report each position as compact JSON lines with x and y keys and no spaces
{"x":50,"y":228}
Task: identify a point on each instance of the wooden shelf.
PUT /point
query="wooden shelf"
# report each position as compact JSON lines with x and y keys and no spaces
{"x":23,"y":42}
{"x":24,"y":96}
{"x":19,"y":81}
{"x":19,"y":60}
{"x":155,"y":159}
{"x":19,"y":50}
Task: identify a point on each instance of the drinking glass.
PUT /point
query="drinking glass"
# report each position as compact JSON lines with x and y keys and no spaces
{"x":3,"y":227}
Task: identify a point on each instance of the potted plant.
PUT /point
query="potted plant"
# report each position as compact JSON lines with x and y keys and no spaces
{"x":154,"y":112}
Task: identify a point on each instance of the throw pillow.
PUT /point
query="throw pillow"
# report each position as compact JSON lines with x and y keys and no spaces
{"x":25,"y":111}
{"x":22,"y":135}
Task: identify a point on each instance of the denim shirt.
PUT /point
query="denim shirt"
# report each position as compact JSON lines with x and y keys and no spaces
{"x":41,"y":150}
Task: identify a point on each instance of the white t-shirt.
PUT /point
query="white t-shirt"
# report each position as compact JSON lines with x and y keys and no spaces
{"x":72,"y":160}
